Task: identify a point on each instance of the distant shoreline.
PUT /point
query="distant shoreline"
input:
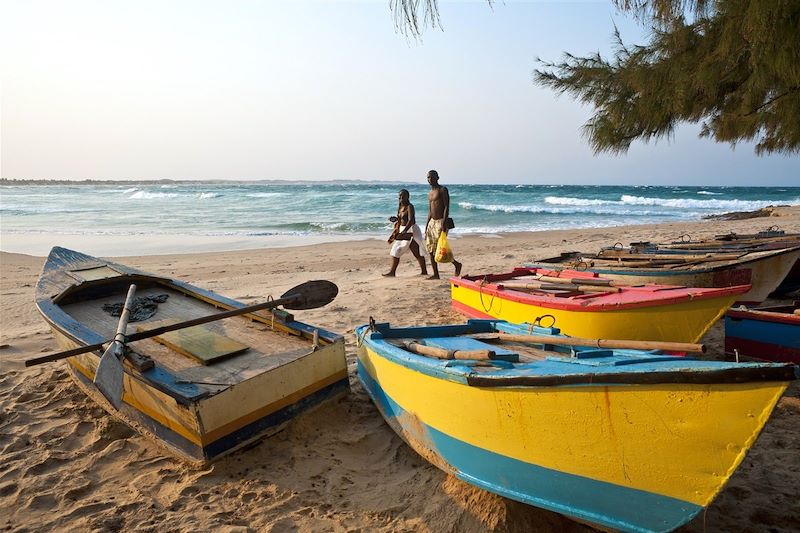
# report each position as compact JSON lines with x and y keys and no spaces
{"x":12,"y":181}
{"x":167,"y":181}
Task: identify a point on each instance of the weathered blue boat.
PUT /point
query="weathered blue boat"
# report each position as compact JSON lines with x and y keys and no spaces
{"x":200,"y":392}
{"x":623,"y":439}
{"x":764,"y":333}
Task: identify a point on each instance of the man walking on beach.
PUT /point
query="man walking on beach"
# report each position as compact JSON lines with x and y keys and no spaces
{"x":438,"y":212}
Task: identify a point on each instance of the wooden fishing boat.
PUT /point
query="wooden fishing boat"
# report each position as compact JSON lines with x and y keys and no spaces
{"x":585,"y":305}
{"x":764,"y":333}
{"x":627,"y":440}
{"x":770,"y":239}
{"x":203,"y":391}
{"x":763,"y":270}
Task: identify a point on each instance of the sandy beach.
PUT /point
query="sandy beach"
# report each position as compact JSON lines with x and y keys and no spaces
{"x":66,"y":465}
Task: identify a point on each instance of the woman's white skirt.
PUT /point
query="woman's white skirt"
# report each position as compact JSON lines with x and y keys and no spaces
{"x":400,"y":247}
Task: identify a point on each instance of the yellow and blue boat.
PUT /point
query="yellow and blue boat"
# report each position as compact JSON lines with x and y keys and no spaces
{"x":623,"y":439}
{"x":203,"y":393}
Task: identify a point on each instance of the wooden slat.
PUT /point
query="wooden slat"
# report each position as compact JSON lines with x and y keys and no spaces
{"x":197,"y":342}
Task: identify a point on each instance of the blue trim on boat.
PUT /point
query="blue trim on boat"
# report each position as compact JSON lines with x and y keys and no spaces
{"x":611,"y":505}
{"x":753,"y":329}
{"x":592,"y":370}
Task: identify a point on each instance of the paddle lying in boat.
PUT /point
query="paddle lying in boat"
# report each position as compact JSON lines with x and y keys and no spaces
{"x":192,"y":382}
{"x":595,"y":343}
{"x":308,"y":295}
{"x":629,"y":440}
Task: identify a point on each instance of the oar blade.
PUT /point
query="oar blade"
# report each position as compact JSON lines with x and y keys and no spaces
{"x":311,"y":294}
{"x":108,"y":378}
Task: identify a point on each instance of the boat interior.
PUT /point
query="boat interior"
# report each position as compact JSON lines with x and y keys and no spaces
{"x":219,"y":353}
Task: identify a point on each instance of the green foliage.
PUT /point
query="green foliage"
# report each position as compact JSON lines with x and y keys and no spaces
{"x":732,"y":65}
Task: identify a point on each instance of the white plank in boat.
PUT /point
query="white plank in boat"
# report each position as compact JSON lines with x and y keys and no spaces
{"x":92,"y":274}
{"x":197,"y":342}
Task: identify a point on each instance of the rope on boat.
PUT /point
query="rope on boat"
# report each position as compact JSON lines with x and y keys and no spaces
{"x":272,"y":314}
{"x":360,"y":338}
{"x":538,"y":322}
{"x":480,"y":293}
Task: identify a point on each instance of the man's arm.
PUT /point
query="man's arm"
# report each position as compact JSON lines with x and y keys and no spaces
{"x":446,"y":200}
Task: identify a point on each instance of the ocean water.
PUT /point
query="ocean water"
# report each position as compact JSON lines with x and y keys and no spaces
{"x":361,"y":209}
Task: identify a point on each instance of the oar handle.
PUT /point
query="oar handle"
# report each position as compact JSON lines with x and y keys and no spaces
{"x":606,"y":343}
{"x":210,"y":318}
{"x":122,"y":325}
{"x":441,"y":353}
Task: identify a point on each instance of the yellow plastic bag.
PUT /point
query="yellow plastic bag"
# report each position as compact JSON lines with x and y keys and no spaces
{"x":444,"y":254}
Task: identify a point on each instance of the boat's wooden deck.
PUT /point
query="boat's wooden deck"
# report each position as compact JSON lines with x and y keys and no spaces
{"x":267,"y":349}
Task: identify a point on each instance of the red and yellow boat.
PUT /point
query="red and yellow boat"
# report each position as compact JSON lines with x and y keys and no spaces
{"x":583,"y":304}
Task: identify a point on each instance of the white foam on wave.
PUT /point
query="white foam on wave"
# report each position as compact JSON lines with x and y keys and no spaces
{"x":265,"y":194}
{"x":204,"y":195}
{"x":144,"y":195}
{"x":128,"y":191}
{"x":500,"y":208}
{"x":682,"y":203}
{"x":709,"y":193}
{"x":590,"y":209}
{"x":568,"y":200}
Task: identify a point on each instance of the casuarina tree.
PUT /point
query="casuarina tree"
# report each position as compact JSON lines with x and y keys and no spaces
{"x":732,"y":66}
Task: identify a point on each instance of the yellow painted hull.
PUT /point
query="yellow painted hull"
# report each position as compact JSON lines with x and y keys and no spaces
{"x":679,"y":322}
{"x":212,"y":426}
{"x":630,"y":457}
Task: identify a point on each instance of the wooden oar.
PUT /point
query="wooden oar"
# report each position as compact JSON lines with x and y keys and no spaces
{"x":598,"y":282}
{"x":669,"y":257}
{"x":308,"y":295}
{"x":556,"y":286}
{"x":596,"y":343}
{"x":108,"y":378}
{"x":441,"y":353}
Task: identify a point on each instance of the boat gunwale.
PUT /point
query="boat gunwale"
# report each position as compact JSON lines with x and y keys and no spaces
{"x":764,"y":315}
{"x":461,"y":372}
{"x":164,"y":380}
{"x":648,"y":271}
{"x":567,"y":304}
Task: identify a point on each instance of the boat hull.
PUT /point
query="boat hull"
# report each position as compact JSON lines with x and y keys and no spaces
{"x":197,"y":412}
{"x":764,"y":274}
{"x":643,"y":457}
{"x":764,"y":336}
{"x":684,"y":321}
{"x":205,"y":429}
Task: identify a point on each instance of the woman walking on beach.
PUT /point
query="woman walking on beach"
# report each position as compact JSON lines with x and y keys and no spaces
{"x":406,"y":235}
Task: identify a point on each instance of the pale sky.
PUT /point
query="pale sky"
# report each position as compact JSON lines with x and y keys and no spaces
{"x":321,"y":90}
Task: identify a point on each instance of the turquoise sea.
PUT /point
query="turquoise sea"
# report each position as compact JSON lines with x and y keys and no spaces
{"x":355,"y":209}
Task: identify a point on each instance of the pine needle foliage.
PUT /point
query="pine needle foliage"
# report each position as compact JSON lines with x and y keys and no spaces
{"x":731,"y":65}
